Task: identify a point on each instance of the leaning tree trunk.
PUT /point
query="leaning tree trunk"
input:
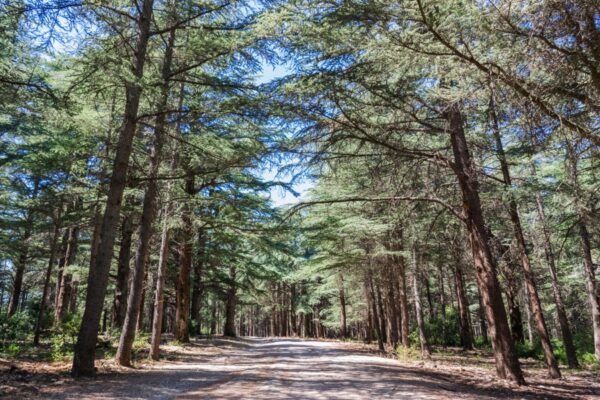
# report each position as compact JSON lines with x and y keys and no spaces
{"x":584,"y":236}
{"x":561,"y":312}
{"x":85,"y":348}
{"x":507,"y":363}
{"x":149,"y":211}
{"x":534,"y":300}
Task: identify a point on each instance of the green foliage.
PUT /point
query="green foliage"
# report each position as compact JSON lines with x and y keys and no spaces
{"x":408,"y":353}
{"x":482,"y":343}
{"x":141,"y":341}
{"x":443,"y":332}
{"x":63,"y":341}
{"x":16,"y":328}
{"x":528,"y":349}
{"x":12,"y":350}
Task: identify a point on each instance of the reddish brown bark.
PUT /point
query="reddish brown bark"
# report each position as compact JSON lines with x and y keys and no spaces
{"x":85,"y":348}
{"x":507,"y":363}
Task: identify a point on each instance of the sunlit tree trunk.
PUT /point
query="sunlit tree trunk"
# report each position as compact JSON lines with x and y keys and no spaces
{"x":534,"y":300}
{"x":507,"y":363}
{"x":149,"y":211}
{"x":586,"y":248}
{"x":85,"y":348}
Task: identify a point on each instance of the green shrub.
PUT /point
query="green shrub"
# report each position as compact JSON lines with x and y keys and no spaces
{"x":413,"y":338}
{"x":141,"y":341}
{"x":61,"y":347}
{"x":589,"y":359}
{"x":64,"y":339}
{"x":443,"y":332}
{"x":11,"y":351}
{"x":481,"y":343}
{"x":528,"y":349}
{"x":17,"y":327}
{"x":407,"y":353}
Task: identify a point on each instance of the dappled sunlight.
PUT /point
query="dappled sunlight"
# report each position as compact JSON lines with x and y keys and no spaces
{"x":268,"y":368}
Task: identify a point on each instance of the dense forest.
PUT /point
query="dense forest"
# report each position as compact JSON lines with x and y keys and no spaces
{"x":451,"y":150}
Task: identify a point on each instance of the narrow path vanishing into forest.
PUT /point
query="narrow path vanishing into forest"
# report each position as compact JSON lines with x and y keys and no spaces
{"x":258,"y":368}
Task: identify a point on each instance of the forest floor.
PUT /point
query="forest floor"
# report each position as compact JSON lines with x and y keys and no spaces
{"x":273,"y":368}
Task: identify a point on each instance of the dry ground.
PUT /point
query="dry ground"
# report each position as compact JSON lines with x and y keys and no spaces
{"x":253,"y":368}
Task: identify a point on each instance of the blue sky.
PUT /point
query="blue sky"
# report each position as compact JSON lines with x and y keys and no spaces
{"x":279,"y":196}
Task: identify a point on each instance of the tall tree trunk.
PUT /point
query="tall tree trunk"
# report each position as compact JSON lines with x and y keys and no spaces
{"x":425,"y":352}
{"x":15,"y":296}
{"x":402,"y":290}
{"x":230,"y":303}
{"x":534,"y":300}
{"x":293,"y":308}
{"x":380,"y":310}
{"x":373,"y":303}
{"x":464,"y":322}
{"x":429,"y":300}
{"x":586,"y":248}
{"x":159,"y":294}
{"x":121,"y":284}
{"x":61,"y":266}
{"x":528,"y":316}
{"x":182,"y":312}
{"x":342,"y":295}
{"x":51,"y":260}
{"x":213,"y":318}
{"x":507,"y":363}
{"x":66,"y":288}
{"x":391,"y":304}
{"x":514,"y":314}
{"x":85,"y":348}
{"x":556,"y":291}
{"x":149,"y":303}
{"x":139,"y":325}
{"x":197,"y":289}
{"x":482,"y":322}
{"x":161,"y":273}
{"x":442,"y":295}
{"x":149,"y":211}
{"x":185,"y":261}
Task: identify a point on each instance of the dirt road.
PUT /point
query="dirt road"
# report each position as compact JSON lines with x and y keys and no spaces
{"x":279,"y":369}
